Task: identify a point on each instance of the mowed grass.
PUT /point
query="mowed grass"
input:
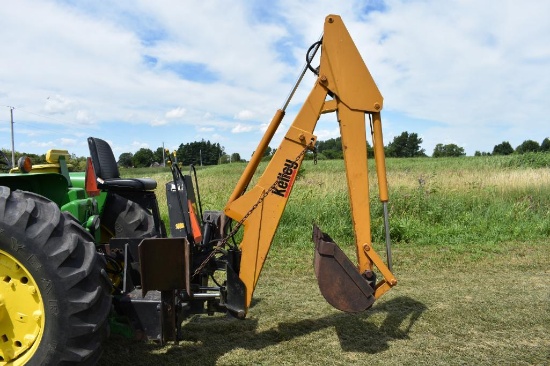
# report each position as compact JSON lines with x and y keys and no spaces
{"x":471,"y":250}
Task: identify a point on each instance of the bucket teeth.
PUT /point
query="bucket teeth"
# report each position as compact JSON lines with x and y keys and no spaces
{"x":339,"y":281}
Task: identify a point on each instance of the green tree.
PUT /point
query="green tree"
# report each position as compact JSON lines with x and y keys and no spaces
{"x":76,"y":163}
{"x":332,"y":149}
{"x":334,"y":145}
{"x":158,"y":155}
{"x":224,"y":159}
{"x":125,"y":160}
{"x":268,"y":152}
{"x":449,"y":150}
{"x":36,"y":159}
{"x":405,"y":146}
{"x":143,"y":158}
{"x":504,"y":148}
{"x":545,"y":146}
{"x":333,"y":154}
{"x":528,"y":146}
{"x":235,"y":157}
{"x":200,"y":152}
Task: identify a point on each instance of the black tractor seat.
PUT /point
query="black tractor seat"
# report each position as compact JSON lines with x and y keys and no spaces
{"x":107,"y":173}
{"x":139,"y":184}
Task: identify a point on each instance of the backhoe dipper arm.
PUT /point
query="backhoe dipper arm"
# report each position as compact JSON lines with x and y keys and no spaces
{"x":344,"y":77}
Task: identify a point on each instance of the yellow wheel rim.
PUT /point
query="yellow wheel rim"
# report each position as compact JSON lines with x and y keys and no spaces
{"x":21,"y":312}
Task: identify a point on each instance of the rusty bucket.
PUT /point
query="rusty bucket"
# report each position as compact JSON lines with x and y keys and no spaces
{"x":339,"y":280}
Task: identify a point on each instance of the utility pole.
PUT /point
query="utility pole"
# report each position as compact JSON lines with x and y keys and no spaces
{"x":163,"y":158}
{"x":12,"y":143}
{"x":200,"y":153}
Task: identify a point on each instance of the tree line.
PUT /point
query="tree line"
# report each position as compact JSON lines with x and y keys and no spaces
{"x":504,"y":148}
{"x":408,"y":145}
{"x":405,"y":145}
{"x":196,"y":153}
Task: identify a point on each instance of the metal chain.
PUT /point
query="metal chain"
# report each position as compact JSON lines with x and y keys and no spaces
{"x":224,"y":241}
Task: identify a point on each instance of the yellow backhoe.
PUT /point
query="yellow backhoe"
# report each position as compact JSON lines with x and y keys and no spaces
{"x":345,"y":86}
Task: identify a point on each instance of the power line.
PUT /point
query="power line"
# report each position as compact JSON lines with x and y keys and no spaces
{"x":38,"y":126}
{"x":12,"y":133}
{"x":42,"y":115}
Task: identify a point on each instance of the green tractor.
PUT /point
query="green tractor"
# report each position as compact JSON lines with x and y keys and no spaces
{"x":56,"y":281}
{"x":82,"y":256}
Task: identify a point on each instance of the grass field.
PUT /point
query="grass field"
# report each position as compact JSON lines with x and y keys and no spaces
{"x":471,"y":248}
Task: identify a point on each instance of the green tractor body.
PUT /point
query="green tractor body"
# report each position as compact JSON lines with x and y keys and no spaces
{"x":51,"y":278}
{"x":81,"y":255}
{"x":67,"y":190}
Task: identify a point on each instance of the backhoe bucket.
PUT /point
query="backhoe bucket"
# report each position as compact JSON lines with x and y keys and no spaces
{"x":339,"y":281}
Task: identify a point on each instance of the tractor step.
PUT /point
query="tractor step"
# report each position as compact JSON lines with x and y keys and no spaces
{"x":339,"y":281}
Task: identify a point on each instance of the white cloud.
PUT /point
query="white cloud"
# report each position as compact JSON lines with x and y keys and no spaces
{"x":471,"y":72}
{"x":38,"y":144}
{"x":263,"y":127}
{"x":245,"y":115}
{"x":158,"y":122}
{"x":57,"y":104}
{"x":218,"y":137}
{"x":175,"y":113}
{"x":240,"y":128}
{"x":84,"y":117}
{"x":66,"y":143}
{"x":327,"y":134}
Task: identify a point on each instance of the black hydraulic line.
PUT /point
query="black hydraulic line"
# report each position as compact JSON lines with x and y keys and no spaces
{"x":214,"y":280}
{"x":118,"y":268}
{"x":177,"y":176}
{"x":314,"y":47}
{"x":192,"y":166}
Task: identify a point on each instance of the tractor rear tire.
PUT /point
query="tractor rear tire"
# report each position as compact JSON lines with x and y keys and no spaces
{"x":124,"y":218}
{"x":54,"y":291}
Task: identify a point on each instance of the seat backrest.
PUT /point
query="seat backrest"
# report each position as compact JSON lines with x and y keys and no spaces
{"x":103,"y":160}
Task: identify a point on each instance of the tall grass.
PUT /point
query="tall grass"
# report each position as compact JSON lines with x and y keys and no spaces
{"x":471,"y":204}
{"x":449,"y":201}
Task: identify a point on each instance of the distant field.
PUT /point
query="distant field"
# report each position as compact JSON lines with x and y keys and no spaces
{"x":471,"y":253}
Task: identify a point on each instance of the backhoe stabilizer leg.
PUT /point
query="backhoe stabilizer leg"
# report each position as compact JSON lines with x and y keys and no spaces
{"x":236,"y":289}
{"x":339,"y":281}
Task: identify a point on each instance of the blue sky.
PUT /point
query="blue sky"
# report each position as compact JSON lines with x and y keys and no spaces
{"x":143,"y":73}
